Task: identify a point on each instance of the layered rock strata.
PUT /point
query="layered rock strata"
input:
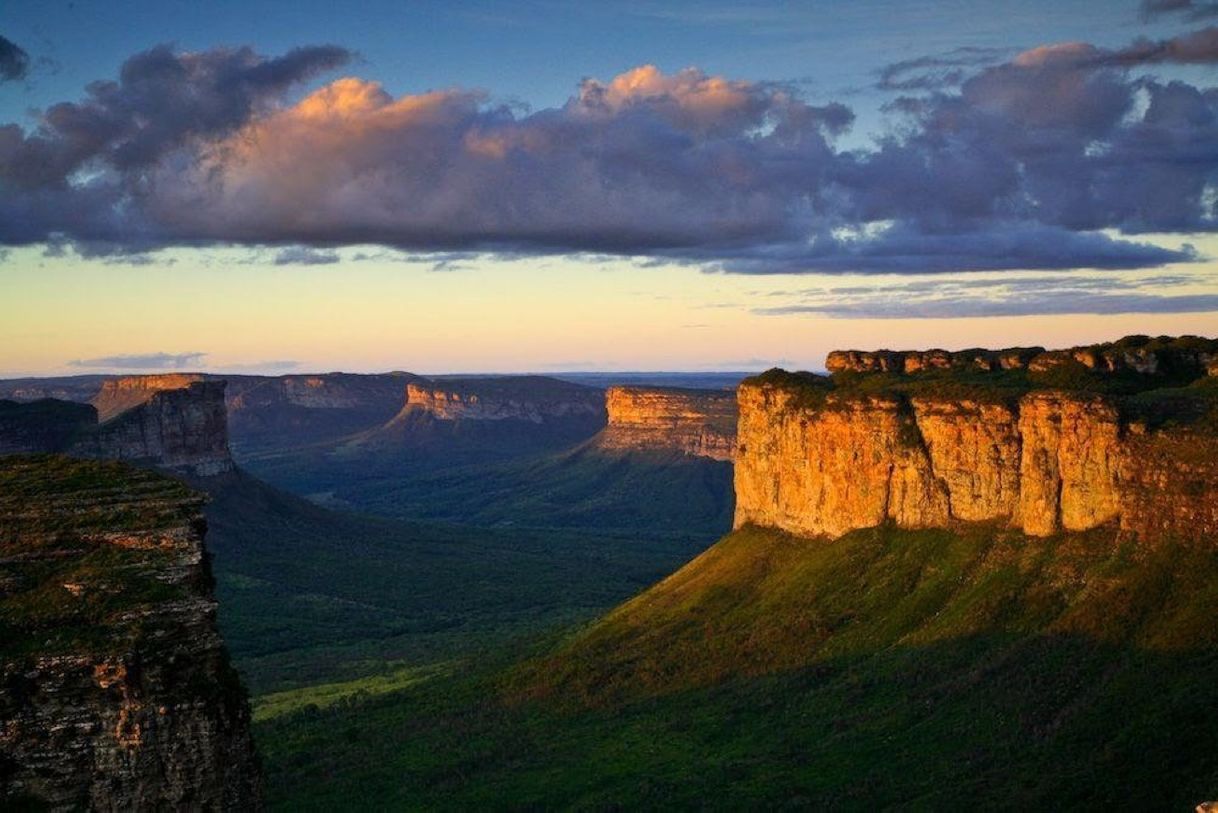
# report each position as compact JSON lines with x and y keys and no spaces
{"x":116,"y":692}
{"x":823,"y":462}
{"x":700,"y":423}
{"x":117,"y":395}
{"x":534,"y":399}
{"x":179,"y":429}
{"x":1139,"y":354}
{"x":182,"y":430}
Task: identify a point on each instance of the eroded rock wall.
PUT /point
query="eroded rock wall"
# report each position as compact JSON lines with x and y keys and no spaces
{"x":179,"y":429}
{"x":1054,"y":461}
{"x":118,"y":395}
{"x":116,"y":693}
{"x":843,"y":465}
{"x":700,"y":423}
{"x":520,"y":398}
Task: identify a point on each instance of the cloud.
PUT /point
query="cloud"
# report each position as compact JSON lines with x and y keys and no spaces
{"x":1020,"y":296}
{"x":1056,"y":158}
{"x":141,"y":361}
{"x":937,"y":71}
{"x":303,"y":255}
{"x":1154,"y":9}
{"x":14,"y":61}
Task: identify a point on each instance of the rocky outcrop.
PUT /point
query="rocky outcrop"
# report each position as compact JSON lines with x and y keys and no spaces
{"x":818,"y":460}
{"x":1068,"y":467}
{"x":182,"y":430}
{"x":700,"y":423}
{"x":534,"y":399}
{"x":116,"y":692}
{"x":822,"y":472}
{"x":916,"y":361}
{"x":973,"y":449}
{"x":179,"y":429}
{"x":267,"y":413}
{"x":117,"y":395}
{"x":1138,"y":354}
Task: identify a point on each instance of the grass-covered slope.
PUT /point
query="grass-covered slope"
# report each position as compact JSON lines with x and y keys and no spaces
{"x":919,"y":670}
{"x":761,"y":601}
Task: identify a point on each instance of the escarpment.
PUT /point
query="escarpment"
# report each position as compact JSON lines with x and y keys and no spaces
{"x":1132,"y":444}
{"x":183,"y":430}
{"x":116,"y":691}
{"x":535,"y":399}
{"x":118,"y":395}
{"x":700,"y":423}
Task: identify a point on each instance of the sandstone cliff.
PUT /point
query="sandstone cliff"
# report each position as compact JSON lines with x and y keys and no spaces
{"x":820,"y":457}
{"x":266,"y":413}
{"x":1140,"y":354}
{"x":179,"y":429}
{"x":116,"y":692}
{"x":535,"y":399}
{"x":182,"y":430}
{"x":701,"y":423}
{"x":117,"y":395}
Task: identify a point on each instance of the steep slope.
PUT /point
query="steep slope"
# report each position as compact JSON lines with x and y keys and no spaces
{"x":115,"y":689}
{"x":520,"y":452}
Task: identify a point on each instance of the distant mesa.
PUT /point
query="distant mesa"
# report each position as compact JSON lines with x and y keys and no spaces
{"x":699,"y":423}
{"x":118,"y":395}
{"x":535,"y":399}
{"x":183,"y":430}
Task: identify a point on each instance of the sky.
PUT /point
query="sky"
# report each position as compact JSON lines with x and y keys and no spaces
{"x":542,"y":186}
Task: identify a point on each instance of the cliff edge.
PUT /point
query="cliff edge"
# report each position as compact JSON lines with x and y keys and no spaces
{"x":1057,"y":444}
{"x":116,"y":692}
{"x":182,"y":430}
{"x":699,"y":423}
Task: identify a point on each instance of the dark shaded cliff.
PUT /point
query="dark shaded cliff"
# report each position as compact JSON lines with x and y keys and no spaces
{"x":450,"y":420}
{"x":116,"y":691}
{"x":182,"y":430}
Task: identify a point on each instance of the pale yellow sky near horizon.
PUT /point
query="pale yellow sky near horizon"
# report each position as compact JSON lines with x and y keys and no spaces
{"x":488,"y":315}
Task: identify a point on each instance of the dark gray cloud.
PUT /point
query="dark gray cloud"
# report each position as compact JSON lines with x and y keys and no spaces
{"x":1188,"y":9}
{"x":1057,"y":294}
{"x":303,"y":255}
{"x":935,"y":72}
{"x":141,"y":361}
{"x":14,"y":61}
{"x":1056,"y":158}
